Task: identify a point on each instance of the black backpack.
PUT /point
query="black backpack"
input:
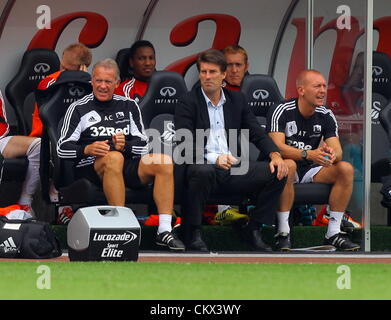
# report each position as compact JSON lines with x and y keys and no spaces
{"x":28,"y":239}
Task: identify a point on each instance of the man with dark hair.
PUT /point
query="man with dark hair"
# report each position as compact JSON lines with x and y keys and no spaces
{"x":237,"y":69}
{"x":142,"y":62}
{"x":307,"y":134}
{"x":103,"y":134}
{"x":219,"y":113}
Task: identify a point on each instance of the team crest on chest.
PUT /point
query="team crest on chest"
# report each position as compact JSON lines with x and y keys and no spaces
{"x":317,"y":128}
{"x":291,"y":128}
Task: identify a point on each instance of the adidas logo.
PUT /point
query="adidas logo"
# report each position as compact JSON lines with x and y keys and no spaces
{"x":9,"y":245}
{"x":338,"y":241}
{"x":65,"y":215}
{"x":92,"y":119}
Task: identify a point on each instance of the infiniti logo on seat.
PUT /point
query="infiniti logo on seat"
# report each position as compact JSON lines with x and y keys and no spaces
{"x":76,"y":91}
{"x":41,"y":67}
{"x":377,"y":71}
{"x":261,"y":93}
{"x":167,"y":91}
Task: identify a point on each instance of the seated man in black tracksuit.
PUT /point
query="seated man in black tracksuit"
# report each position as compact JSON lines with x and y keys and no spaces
{"x":223,"y":111}
{"x":306,"y":131}
{"x":103,"y":133}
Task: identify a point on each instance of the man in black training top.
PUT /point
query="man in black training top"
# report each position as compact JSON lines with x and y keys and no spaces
{"x":298,"y":127}
{"x":104,"y":134}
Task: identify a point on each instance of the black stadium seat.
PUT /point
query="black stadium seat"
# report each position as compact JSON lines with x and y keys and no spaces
{"x":261,"y":92}
{"x":36,"y":65}
{"x":381,"y":98}
{"x":158,"y":108}
{"x":381,"y":74}
{"x":122,"y":60}
{"x":380,"y":155}
{"x":12,"y":175}
{"x":53,"y":103}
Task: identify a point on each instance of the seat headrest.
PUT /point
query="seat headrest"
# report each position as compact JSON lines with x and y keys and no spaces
{"x":122,"y":60}
{"x":57,"y":100}
{"x":381,"y":74}
{"x":261,"y":92}
{"x":78,"y":84}
{"x":165,"y":87}
{"x":36,"y":65}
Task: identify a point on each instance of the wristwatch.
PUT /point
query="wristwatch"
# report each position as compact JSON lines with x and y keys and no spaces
{"x":304,"y":155}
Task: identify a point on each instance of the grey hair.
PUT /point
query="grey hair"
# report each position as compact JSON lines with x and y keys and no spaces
{"x":108,"y":63}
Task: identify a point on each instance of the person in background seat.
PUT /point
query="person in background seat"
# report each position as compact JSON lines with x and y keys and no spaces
{"x":142,"y":62}
{"x":75,"y":57}
{"x":237,"y":66}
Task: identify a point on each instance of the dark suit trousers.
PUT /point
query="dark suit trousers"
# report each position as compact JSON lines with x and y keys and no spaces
{"x":203,"y":179}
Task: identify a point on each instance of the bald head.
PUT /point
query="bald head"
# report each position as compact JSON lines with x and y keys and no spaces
{"x":305,"y":76}
{"x":311,"y":88}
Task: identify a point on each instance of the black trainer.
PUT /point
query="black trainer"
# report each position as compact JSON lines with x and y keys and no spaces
{"x":283,"y":241}
{"x":342,"y":242}
{"x":170,"y":240}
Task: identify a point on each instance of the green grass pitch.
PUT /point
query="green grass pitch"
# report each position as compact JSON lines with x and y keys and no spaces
{"x":190,"y":281}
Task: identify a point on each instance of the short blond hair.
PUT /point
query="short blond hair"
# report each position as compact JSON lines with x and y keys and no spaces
{"x":235,"y":48}
{"x":78,"y":54}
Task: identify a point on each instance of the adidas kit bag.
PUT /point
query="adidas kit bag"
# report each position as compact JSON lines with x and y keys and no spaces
{"x":28,"y":239}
